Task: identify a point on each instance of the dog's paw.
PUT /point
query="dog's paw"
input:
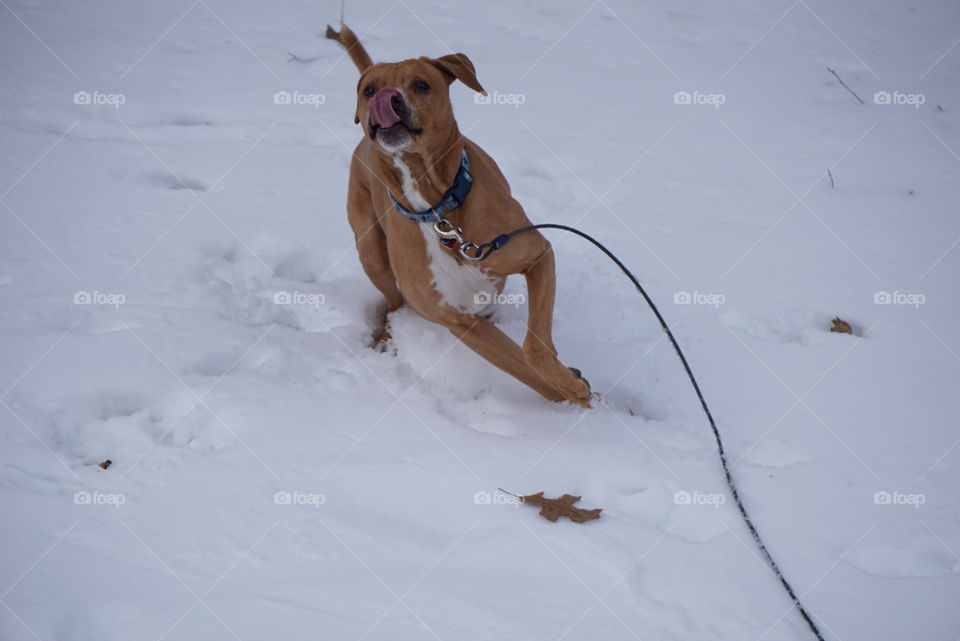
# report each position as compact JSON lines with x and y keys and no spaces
{"x":567,"y":381}
{"x":578,"y":374}
{"x":381,"y":340}
{"x":581,"y":393}
{"x":575,"y":388}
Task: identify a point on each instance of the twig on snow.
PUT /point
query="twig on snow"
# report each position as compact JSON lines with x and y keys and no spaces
{"x":854,"y":93}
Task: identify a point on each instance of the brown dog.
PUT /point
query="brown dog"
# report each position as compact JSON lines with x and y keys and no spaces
{"x":411,"y":157}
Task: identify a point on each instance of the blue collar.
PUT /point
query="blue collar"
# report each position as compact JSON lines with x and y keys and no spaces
{"x":450,"y":201}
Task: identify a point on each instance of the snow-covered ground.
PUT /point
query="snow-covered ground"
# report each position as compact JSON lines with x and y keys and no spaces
{"x":274,"y":478}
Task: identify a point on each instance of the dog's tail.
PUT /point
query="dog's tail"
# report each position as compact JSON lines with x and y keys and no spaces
{"x":349,"y":41}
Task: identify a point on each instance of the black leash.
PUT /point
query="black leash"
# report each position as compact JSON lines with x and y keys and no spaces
{"x":488,"y":248}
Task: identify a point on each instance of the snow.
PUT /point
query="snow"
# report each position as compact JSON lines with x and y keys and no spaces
{"x":273,"y":477}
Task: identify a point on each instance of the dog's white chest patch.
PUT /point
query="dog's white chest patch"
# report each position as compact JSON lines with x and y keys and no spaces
{"x":461,"y":286}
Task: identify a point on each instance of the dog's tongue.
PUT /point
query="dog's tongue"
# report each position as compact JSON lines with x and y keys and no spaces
{"x":381,"y":108}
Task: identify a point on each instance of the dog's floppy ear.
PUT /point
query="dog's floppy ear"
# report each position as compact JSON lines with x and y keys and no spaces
{"x":457,"y":66}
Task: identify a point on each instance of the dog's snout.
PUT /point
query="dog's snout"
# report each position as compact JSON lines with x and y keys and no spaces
{"x":386,"y":107}
{"x":387,"y":93}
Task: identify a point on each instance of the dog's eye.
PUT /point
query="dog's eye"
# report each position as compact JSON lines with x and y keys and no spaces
{"x":369,"y":90}
{"x":421,"y":87}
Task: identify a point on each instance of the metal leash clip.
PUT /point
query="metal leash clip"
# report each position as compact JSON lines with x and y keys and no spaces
{"x":446,"y":232}
{"x":479,"y":255}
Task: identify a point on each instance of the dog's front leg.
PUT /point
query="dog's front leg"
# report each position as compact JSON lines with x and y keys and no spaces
{"x":483,"y":337}
{"x":371,"y":245}
{"x":538,"y":348}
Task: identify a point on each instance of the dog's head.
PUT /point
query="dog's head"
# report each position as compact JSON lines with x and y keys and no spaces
{"x":403,"y":105}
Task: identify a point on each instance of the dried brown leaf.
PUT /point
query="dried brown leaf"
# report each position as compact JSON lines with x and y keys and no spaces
{"x":106,"y":464}
{"x":841,"y":326}
{"x":553,"y":509}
